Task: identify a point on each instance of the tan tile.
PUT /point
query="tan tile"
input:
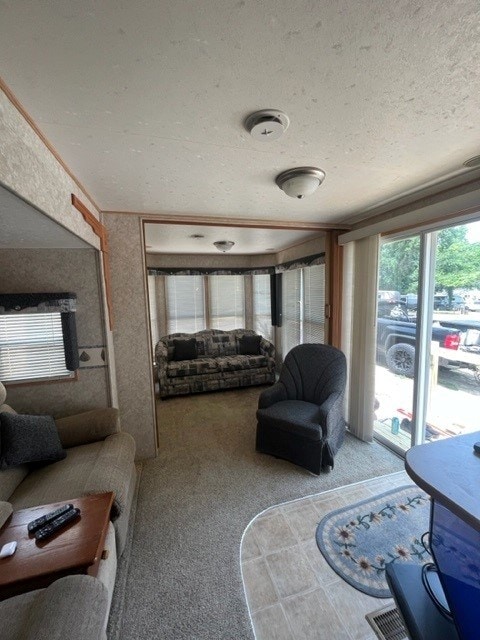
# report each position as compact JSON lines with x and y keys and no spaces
{"x":271,"y":624}
{"x":291,"y":571}
{"x":325,"y":505}
{"x":359,"y":604}
{"x":312,"y":617}
{"x":258,"y":584}
{"x":273,"y":532}
{"x":303,"y":518}
{"x":250,"y":548}
{"x":323,"y":571}
{"x":356,"y":494}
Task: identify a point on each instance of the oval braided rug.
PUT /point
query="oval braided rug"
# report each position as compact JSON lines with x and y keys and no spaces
{"x":358,"y":541}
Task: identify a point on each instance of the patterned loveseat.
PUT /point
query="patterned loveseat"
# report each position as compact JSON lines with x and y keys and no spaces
{"x":219,"y":363}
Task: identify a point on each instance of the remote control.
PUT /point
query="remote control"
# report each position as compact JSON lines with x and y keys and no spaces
{"x":52,"y":527}
{"x":476,"y":447}
{"x":48,"y":517}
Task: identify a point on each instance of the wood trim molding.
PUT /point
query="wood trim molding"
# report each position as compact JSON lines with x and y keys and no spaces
{"x":101,"y":232}
{"x":334,"y":253}
{"x":211,"y":221}
{"x":32,"y":124}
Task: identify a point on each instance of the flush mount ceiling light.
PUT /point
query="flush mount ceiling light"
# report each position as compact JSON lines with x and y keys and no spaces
{"x":267,"y":124}
{"x":224,"y":245}
{"x":300,"y":182}
{"x":472,"y":162}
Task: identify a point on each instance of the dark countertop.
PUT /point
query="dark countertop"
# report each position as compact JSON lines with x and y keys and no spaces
{"x":449,"y":471}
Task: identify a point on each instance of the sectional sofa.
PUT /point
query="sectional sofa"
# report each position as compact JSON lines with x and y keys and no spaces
{"x":98,"y":457}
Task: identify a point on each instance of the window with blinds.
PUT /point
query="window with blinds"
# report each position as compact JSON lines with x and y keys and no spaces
{"x":32,"y":347}
{"x":152,"y":302}
{"x":291,"y":309}
{"x":314,"y":304}
{"x":303,"y":306}
{"x":226,"y":302}
{"x":262,"y":319}
{"x":185,"y":304}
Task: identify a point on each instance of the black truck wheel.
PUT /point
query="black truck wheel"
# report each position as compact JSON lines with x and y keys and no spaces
{"x":400,"y":359}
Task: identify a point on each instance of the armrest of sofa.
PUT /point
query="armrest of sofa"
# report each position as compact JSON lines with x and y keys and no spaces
{"x":74,"y":607}
{"x":6,"y":510}
{"x":267,"y":348}
{"x":161,"y":360}
{"x":87,"y":427}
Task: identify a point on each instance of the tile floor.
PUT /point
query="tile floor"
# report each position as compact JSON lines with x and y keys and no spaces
{"x":292,"y":593}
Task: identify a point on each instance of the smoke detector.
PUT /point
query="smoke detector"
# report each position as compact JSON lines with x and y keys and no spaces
{"x":267,"y":124}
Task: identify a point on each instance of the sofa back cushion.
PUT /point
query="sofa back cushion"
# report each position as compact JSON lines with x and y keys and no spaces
{"x":210,"y":342}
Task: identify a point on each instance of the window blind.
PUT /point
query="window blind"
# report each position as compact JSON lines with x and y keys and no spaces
{"x":152,"y":301}
{"x":314,"y":304}
{"x":32,"y":347}
{"x":262,"y":321}
{"x":185,"y":304}
{"x":226,"y":302}
{"x":291,"y":310}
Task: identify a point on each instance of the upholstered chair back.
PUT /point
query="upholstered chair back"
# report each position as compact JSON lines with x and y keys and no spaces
{"x":312,"y":372}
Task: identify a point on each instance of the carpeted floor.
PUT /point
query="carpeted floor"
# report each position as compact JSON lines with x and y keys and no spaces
{"x":179,"y":578}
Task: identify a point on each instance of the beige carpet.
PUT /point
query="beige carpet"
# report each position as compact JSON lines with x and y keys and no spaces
{"x":180,"y":577}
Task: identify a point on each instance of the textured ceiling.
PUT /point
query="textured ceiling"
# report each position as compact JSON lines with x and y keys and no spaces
{"x":145,"y":100}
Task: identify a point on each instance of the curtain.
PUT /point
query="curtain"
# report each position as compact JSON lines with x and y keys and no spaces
{"x":361,"y":283}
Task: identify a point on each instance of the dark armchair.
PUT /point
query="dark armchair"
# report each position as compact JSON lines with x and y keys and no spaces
{"x":300,"y":418}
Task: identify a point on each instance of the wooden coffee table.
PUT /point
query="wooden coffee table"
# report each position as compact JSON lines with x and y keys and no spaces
{"x":77,"y":548}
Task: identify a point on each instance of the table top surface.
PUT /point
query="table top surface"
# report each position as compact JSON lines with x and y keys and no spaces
{"x":71,"y":550}
{"x":449,"y":471}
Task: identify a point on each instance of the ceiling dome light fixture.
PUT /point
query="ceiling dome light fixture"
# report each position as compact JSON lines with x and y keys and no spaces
{"x":300,"y":182}
{"x":224,"y":245}
{"x":472,"y":162}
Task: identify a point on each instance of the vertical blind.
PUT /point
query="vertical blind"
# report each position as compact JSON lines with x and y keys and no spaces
{"x":262,"y":321}
{"x":32,"y":347}
{"x":185,"y":304}
{"x":226,"y":302}
{"x":152,"y":301}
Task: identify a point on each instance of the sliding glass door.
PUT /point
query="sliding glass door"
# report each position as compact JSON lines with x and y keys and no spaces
{"x":427,"y":383}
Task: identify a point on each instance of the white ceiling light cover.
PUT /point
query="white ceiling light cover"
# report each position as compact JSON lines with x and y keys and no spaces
{"x":300,"y":182}
{"x":224,"y":245}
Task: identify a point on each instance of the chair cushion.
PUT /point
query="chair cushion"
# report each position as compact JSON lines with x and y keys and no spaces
{"x":241,"y":362}
{"x":25,"y":439}
{"x":295,"y":416}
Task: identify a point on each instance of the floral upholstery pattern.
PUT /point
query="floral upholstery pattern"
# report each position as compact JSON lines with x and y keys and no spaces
{"x":218,"y":365}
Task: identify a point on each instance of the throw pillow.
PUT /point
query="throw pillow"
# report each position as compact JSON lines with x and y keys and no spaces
{"x":249,"y":345}
{"x":185,"y":349}
{"x":27,"y":439}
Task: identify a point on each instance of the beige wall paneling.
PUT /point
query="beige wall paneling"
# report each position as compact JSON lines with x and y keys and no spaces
{"x":131,"y":333}
{"x":76,"y":270}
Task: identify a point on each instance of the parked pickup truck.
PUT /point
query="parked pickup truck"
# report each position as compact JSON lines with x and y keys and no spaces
{"x":396,"y":338}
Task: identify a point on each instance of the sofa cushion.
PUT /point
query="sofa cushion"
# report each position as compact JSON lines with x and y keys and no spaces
{"x":10,"y":479}
{"x":294,"y":416}
{"x":249,"y":345}
{"x":192,"y":367}
{"x":185,"y":349}
{"x":241,"y":363}
{"x":90,"y":468}
{"x":25,"y":439}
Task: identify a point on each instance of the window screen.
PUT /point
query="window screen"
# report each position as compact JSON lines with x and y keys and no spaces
{"x":226,"y":302}
{"x":32,"y":347}
{"x":262,"y":320}
{"x":185,"y":304}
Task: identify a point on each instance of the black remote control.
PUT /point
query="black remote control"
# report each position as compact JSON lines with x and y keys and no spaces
{"x":52,"y":527}
{"x":476,"y":447}
{"x":34,"y":525}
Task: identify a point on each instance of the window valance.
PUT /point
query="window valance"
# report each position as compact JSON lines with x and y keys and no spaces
{"x":161,"y":271}
{"x":37,"y":303}
{"x":299,"y":263}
